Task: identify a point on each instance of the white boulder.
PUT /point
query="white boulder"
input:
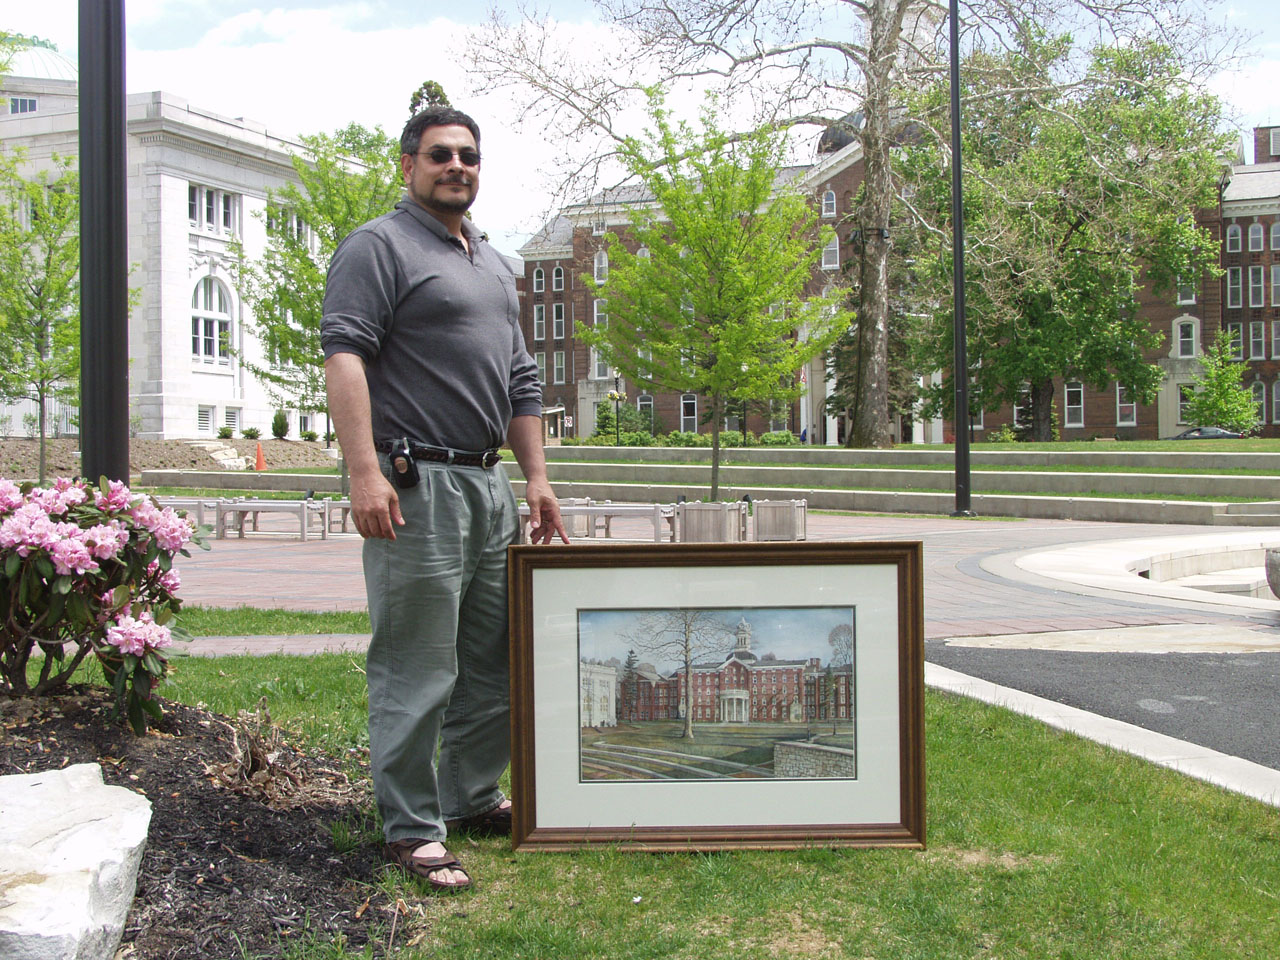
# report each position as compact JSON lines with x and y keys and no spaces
{"x":70,"y":847}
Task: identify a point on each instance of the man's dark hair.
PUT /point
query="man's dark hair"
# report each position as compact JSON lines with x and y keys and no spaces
{"x":440,"y":116}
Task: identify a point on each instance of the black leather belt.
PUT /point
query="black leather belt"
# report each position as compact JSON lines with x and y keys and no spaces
{"x":442,"y":454}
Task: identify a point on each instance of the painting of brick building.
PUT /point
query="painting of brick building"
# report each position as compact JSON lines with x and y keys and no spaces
{"x":720,"y":693}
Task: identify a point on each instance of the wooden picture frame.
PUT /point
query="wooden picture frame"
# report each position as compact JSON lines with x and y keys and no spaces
{"x":717,"y":696}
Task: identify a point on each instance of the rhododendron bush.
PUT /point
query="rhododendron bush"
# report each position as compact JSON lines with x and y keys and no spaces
{"x":89,"y":570}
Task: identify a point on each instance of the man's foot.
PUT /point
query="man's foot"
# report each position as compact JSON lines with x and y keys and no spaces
{"x":430,"y":860}
{"x":495,"y":822}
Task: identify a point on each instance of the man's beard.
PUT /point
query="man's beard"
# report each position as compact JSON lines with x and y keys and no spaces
{"x":430,"y":201}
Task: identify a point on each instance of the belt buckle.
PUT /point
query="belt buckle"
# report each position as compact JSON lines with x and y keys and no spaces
{"x":490,"y":459}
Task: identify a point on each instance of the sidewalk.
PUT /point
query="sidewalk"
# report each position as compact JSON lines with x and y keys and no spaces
{"x":976,"y":588}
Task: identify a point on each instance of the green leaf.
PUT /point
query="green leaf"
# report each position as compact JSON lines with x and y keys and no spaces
{"x":62,"y":585}
{"x":11,"y":564}
{"x":137,"y":717}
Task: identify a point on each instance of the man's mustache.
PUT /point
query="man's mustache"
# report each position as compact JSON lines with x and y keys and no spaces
{"x":464,"y":181}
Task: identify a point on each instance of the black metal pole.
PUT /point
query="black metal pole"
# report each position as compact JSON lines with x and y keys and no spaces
{"x":104,"y":265}
{"x":961,"y":373}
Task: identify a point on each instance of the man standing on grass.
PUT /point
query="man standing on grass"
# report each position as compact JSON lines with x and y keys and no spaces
{"x":427,"y":375}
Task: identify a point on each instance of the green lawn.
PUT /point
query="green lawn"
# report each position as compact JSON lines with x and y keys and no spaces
{"x":1041,"y":846}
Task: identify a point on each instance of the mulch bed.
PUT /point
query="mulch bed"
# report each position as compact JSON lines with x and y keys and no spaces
{"x":240,"y":857}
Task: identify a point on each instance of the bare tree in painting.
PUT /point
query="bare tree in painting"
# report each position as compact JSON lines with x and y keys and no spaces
{"x":841,"y":640}
{"x":685,"y":636}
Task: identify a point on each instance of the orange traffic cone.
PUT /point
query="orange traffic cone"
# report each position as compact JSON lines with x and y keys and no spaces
{"x":260,"y":462}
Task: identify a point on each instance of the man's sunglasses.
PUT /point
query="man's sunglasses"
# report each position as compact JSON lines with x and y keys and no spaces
{"x":466,"y":156}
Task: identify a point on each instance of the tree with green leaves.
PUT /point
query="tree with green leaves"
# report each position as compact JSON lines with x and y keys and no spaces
{"x":39,"y":286}
{"x":1074,"y":199}
{"x":344,"y":179}
{"x":708,"y":296}
{"x":430,"y":94}
{"x":1220,"y":398}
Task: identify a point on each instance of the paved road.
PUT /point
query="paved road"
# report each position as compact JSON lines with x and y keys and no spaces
{"x":1222,"y":700}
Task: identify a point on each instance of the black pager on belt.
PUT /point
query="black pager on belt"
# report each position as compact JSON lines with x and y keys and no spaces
{"x":404,"y":469}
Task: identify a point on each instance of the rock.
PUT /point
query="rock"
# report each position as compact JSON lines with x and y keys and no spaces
{"x":70,"y":847}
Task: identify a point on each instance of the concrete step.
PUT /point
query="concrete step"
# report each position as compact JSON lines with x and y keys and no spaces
{"x":1246,"y":519}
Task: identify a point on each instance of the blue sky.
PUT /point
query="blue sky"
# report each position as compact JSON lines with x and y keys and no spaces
{"x":302,"y":66}
{"x":789,"y":633}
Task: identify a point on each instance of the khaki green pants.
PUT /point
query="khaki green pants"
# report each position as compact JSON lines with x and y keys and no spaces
{"x":438,"y":660}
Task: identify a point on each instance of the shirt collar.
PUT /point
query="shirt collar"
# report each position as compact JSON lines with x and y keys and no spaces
{"x":469,"y":229}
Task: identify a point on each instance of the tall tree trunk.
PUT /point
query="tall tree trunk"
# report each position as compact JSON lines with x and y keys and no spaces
{"x":41,"y":417}
{"x":1042,"y":410}
{"x":870,"y":427}
{"x":717,"y":415}
{"x":687,"y":732}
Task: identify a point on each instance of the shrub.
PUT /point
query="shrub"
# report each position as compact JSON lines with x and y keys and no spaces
{"x":251,"y":433}
{"x":225,"y":433}
{"x":733,"y":438}
{"x":91,"y":567}
{"x":330,"y":437}
{"x":779,"y":438}
{"x":686,"y":438}
{"x":280,"y":425}
{"x":1006,"y":434}
{"x":308,"y":435}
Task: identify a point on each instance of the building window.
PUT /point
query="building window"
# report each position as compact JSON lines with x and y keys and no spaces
{"x":557,"y":321}
{"x":1233,"y":238}
{"x":304,"y":423}
{"x":231,"y":418}
{"x":557,"y":370}
{"x":1126,"y":409}
{"x":215,"y":211}
{"x":540,"y":358}
{"x":1275,"y":234}
{"x":601,"y":266}
{"x":1275,"y":402}
{"x":539,"y":321}
{"x":1186,"y":338}
{"x":1233,"y":287}
{"x":829,"y":203}
{"x":1235,"y":333}
{"x":831,"y":254}
{"x":557,"y":278}
{"x":1186,"y":291}
{"x":204,"y":419}
{"x":1275,"y":339}
{"x":1075,"y":404}
{"x":597,"y":228}
{"x":1185,"y":392}
{"x":1257,"y":286}
{"x":1257,"y":340}
{"x":22,"y":105}
{"x":600,"y":320}
{"x":210,"y":323}
{"x":539,"y":280}
{"x":689,"y":413}
{"x":1255,"y":238}
{"x":1022,"y":406}
{"x":1259,"y":391}
{"x":644,"y":404}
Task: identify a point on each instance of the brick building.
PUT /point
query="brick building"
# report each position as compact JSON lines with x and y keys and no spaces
{"x":1244,"y":300}
{"x":573,"y":245}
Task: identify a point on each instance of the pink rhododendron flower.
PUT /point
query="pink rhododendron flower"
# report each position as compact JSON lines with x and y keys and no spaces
{"x":72,"y":556}
{"x":10,"y":496}
{"x":115,"y":499}
{"x":106,"y":540}
{"x":168,"y":581}
{"x":137,"y":636}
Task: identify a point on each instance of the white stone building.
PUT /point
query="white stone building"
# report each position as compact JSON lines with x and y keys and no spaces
{"x":599,"y":689}
{"x":197,"y":182}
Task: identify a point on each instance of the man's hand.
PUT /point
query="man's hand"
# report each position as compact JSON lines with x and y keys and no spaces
{"x":375,"y":506}
{"x":544,"y":513}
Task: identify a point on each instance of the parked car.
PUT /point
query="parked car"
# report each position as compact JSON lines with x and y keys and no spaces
{"x":1207,"y":433}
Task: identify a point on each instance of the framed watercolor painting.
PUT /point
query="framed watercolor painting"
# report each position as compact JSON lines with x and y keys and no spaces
{"x":717,"y":696}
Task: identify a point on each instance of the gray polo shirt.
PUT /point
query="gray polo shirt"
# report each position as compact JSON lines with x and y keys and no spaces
{"x":438,"y":330}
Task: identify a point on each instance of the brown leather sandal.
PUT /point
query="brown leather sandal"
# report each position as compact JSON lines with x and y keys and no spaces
{"x":400,"y":852}
{"x":495,"y":822}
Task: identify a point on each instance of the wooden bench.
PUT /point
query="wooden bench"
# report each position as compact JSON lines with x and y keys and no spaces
{"x":600,"y":516}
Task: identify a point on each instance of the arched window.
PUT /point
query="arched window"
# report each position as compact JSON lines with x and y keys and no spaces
{"x":644,"y":404}
{"x":211,"y":323}
{"x":602,"y":267}
{"x":1275,"y":235}
{"x":1275,"y":402}
{"x":539,"y":280}
{"x":689,"y":413}
{"x":1255,"y":237}
{"x":829,"y":203}
{"x":1233,"y":238}
{"x":1259,"y":391}
{"x":557,"y":278}
{"x":1186,"y":338}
